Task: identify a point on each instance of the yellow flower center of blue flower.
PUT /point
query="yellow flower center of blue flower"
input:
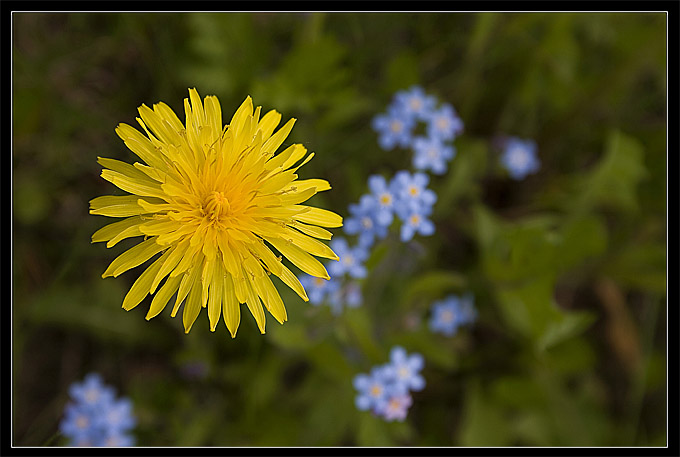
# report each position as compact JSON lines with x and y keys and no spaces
{"x":404,"y":372}
{"x":318,"y":282}
{"x":442,"y":123}
{"x":81,"y":422}
{"x":413,"y":190}
{"x":366,"y":222}
{"x":385,"y":199}
{"x":91,"y":395}
{"x":348,"y":260}
{"x":396,"y":126}
{"x":376,"y":390}
{"x":447,"y":316}
{"x":414,"y":219}
{"x":416,"y":103}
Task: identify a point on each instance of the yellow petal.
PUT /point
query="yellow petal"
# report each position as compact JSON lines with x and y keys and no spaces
{"x":312,"y":230}
{"x":318,"y":216}
{"x":111,"y":231}
{"x":141,"y":286}
{"x":144,"y":187}
{"x":320,"y":184}
{"x":271,"y":298}
{"x":300,"y":258}
{"x":175,"y":253}
{"x":293,"y":282}
{"x":254,"y":305}
{"x":118,"y":206}
{"x":192,"y":306}
{"x":231,"y":309}
{"x":187,"y":281}
{"x":273,"y":143}
{"x":216,"y":296}
{"x":267,"y":256}
{"x":133,"y":257}
{"x":160,"y":299}
{"x":286,"y":158}
{"x":309,"y":244}
{"x":140,"y":145}
{"x":268,"y":123}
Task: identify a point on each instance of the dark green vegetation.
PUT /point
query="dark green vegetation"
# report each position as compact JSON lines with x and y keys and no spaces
{"x":568,"y":267}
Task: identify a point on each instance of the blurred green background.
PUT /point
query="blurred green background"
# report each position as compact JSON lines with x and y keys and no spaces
{"x":568,"y":267}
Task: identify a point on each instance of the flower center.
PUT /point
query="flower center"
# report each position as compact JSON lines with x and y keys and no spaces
{"x":385,"y":199}
{"x":447,"y":316}
{"x":81,"y":422}
{"x":416,"y":103}
{"x":519,"y":158}
{"x":348,"y":260}
{"x":432,"y":153}
{"x":413,"y":190}
{"x":91,"y":395}
{"x":396,"y":126}
{"x":366,"y":222}
{"x":319,"y":282}
{"x":376,"y":390}
{"x":404,"y":372}
{"x":217,"y":206}
{"x":414,"y":219}
{"x":442,"y":123}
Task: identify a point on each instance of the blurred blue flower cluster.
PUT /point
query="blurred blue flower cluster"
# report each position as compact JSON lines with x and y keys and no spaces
{"x":451,"y":313}
{"x":399,"y":127}
{"x":386,"y":390}
{"x":94,"y":417}
{"x":342,"y":289}
{"x":405,"y":196}
{"x":519,"y":157}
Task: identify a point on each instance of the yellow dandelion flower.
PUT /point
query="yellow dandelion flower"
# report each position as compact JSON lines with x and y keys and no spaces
{"x":212,"y":201}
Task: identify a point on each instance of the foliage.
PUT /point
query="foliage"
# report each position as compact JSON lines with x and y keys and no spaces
{"x":567,"y":266}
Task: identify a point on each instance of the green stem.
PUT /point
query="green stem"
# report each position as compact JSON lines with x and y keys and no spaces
{"x":51,"y":439}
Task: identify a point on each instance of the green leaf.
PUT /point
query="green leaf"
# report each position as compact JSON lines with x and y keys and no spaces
{"x":641,"y":265}
{"x":530,"y":308}
{"x":582,"y":238}
{"x":433,"y":284}
{"x":564,"y":326}
{"x":462,"y":179}
{"x":613,"y":181}
{"x":484,"y":423}
{"x":402,"y":72}
{"x":571,"y":357}
{"x":372,"y":430}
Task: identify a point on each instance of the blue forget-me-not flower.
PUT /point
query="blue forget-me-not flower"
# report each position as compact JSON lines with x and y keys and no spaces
{"x":414,"y":103}
{"x":444,"y":123}
{"x":415,"y":221}
{"x":519,"y":157}
{"x":407,"y":368}
{"x":351,"y":260}
{"x":396,"y":407}
{"x":386,"y":390}
{"x":94,"y":417}
{"x":363,"y":221}
{"x":318,"y":289}
{"x":376,"y":388}
{"x":394,"y":128}
{"x":451,"y":313}
{"x":382,"y":194}
{"x":431,"y":154}
{"x":411,"y":191}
